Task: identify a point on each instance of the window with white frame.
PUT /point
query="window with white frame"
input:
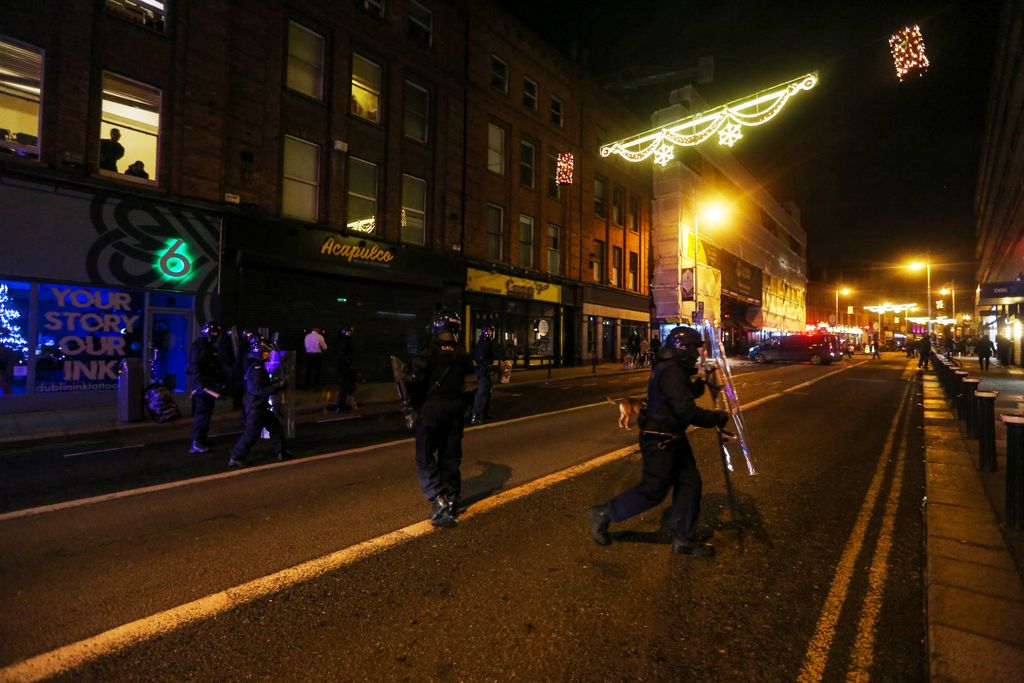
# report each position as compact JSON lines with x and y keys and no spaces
{"x":129,"y":128}
{"x":421,"y":24}
{"x":499,"y":74}
{"x":495,"y":149}
{"x":300,"y":179}
{"x":634,"y":269}
{"x":362,"y":196}
{"x":554,"y":249}
{"x":416,"y":105}
{"x":366,"y":85}
{"x":305,"y":61}
{"x":525,"y":241}
{"x":495,"y":224}
{"x":150,"y":13}
{"x":529,"y":94}
{"x":527,"y":163}
{"x":556,"y":111}
{"x":617,"y":201}
{"x":598,"y":262}
{"x":21,"y":89}
{"x":617,"y":266}
{"x":600,"y":208}
{"x":414,"y":210}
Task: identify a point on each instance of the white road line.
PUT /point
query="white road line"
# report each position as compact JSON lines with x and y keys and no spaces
{"x":339,"y":419}
{"x":69,"y":657}
{"x":103,"y":450}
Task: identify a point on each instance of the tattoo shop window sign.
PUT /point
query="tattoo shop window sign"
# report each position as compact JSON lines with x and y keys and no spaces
{"x":174,"y":262}
{"x":356,"y":251}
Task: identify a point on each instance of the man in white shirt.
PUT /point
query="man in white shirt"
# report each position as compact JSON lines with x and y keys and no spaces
{"x":315,"y":346}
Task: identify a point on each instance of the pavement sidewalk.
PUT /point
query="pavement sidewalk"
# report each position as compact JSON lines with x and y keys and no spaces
{"x":974,"y":593}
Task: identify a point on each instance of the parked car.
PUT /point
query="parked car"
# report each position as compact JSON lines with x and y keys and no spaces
{"x":796,"y":348}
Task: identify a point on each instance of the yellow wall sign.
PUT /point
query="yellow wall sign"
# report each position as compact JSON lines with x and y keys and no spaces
{"x":515,"y":287}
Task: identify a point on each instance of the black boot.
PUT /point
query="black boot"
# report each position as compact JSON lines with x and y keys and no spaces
{"x":599,"y":522}
{"x":198,"y":448}
{"x":284,"y":455}
{"x":237,"y":462}
{"x":439,"y":513}
{"x":453,"y":506}
{"x":693,"y":548}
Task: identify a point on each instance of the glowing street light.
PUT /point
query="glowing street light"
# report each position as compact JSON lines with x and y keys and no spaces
{"x":927,"y":265}
{"x":845,"y":291}
{"x":714,"y":212}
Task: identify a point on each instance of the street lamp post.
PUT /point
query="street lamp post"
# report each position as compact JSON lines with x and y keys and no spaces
{"x":927,"y":265}
{"x":845,"y":292}
{"x":714,"y":212}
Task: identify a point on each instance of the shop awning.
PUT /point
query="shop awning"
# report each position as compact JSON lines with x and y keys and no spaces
{"x":1001,"y":293}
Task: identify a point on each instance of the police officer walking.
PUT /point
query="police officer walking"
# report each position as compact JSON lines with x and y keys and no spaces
{"x":207,"y":372}
{"x":668,"y":462}
{"x":256,"y":410}
{"x":484,"y":358}
{"x":346,"y":374}
{"x":438,"y":377}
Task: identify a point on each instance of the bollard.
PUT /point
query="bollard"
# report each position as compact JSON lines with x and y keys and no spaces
{"x":971,"y":407}
{"x":1014,"y":471}
{"x":986,"y":430}
{"x":958,"y":393}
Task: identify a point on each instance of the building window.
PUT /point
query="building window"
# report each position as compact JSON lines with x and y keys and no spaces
{"x":362,"y":195}
{"x":366,"y":80}
{"x":633,"y":217}
{"x":499,"y":74}
{"x":527,"y":163}
{"x":795,"y":246}
{"x":556,"y":111}
{"x":305,"y":61}
{"x":21,"y":89}
{"x":495,"y":221}
{"x":554,"y":189}
{"x":634,"y":269}
{"x":495,"y":149}
{"x":129,"y":128}
{"x":554,"y":246}
{"x":598,"y":262}
{"x":617,"y":266}
{"x":149,"y":13}
{"x":599,"y":206}
{"x":421,"y":24}
{"x":529,"y":94}
{"x":414,"y":209}
{"x":416,"y":102}
{"x":372,"y":7}
{"x":525,"y":241}
{"x":617,"y":200}
{"x":300,"y":196}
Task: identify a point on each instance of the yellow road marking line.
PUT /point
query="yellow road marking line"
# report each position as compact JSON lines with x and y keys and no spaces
{"x":863,"y":654}
{"x":68,"y":657}
{"x":816,"y":657}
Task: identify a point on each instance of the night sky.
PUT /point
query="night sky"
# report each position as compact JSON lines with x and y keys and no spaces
{"x":881,"y":170}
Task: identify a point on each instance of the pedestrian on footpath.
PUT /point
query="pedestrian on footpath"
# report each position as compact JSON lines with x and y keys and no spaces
{"x":437,"y":380}
{"x":256,"y":408}
{"x":983,"y":347}
{"x":668,"y":462}
{"x":315,"y":346}
{"x":924,"y":351}
{"x":874,"y":346}
{"x":207,"y":372}
{"x":346,"y":374}
{"x":484,"y":357}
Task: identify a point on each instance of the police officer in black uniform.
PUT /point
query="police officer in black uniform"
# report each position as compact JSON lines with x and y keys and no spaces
{"x":207,"y":372}
{"x":256,"y":408}
{"x":484,"y":358}
{"x":668,"y":462}
{"x":346,"y":374}
{"x":437,"y":380}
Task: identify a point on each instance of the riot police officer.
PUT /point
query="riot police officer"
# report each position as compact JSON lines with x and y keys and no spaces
{"x":668,"y":462}
{"x":256,"y":410}
{"x":437,"y":380}
{"x":346,"y":374}
{"x":207,"y":372}
{"x":484,"y":358}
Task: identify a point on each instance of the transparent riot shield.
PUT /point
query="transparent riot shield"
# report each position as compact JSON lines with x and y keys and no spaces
{"x":719,"y":379}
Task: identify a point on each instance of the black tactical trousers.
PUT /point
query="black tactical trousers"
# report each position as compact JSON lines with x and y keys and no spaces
{"x":671,"y":467}
{"x":202,"y":413}
{"x":482,"y":399}
{"x":256,"y":419}
{"x":439,"y":446}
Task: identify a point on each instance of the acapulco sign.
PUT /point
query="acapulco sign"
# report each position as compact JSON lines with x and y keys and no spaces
{"x":357,"y":251}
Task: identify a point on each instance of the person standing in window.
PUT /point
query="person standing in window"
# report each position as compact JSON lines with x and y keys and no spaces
{"x":137,"y":169}
{"x":111,"y":151}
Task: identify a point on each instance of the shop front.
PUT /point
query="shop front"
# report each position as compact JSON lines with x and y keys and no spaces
{"x":611,"y":318}
{"x":87,"y":280}
{"x":528,"y":317}
{"x":289,"y":279}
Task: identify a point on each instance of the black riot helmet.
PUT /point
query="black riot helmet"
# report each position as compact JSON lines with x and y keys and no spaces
{"x":446,"y":322}
{"x":345,"y":330}
{"x":259,"y":349}
{"x":210,"y":329}
{"x":487,"y":331}
{"x":683,"y":344}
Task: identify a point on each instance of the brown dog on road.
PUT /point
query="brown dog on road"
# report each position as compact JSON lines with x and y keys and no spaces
{"x":628,"y":408}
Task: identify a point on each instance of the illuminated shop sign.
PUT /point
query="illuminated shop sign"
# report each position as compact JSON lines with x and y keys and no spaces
{"x":515,"y":287}
{"x":175,"y":262}
{"x":357,"y":251}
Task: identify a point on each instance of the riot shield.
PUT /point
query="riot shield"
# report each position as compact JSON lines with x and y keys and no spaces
{"x":719,"y":380}
{"x":399,"y":370}
{"x":281,"y":367}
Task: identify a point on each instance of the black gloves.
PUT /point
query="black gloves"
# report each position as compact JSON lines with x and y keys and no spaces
{"x":723,"y":418}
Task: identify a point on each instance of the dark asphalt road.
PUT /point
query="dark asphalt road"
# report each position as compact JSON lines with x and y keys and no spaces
{"x":518,"y":592}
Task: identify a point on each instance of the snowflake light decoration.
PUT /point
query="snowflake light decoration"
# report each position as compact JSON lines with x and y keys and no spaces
{"x":664,"y":154}
{"x":729,"y":135}
{"x":908,"y":55}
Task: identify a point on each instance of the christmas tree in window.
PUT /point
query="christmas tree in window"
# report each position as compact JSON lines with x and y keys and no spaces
{"x":11,"y":338}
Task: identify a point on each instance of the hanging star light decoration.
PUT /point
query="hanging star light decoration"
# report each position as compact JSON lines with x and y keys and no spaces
{"x":563,"y":170}
{"x":726,"y":120}
{"x":908,"y":55}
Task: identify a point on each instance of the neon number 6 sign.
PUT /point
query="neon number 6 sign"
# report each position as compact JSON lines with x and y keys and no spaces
{"x":173,"y":263}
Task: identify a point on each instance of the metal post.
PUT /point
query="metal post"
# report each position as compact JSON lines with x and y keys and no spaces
{"x":987,"y":430}
{"x":971,"y":406}
{"x":1014,"y":471}
{"x":958,"y":391}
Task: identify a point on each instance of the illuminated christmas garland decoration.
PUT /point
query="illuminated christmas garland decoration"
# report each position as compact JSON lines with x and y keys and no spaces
{"x":907,"y":46}
{"x":727,"y":120}
{"x":563,"y":171}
